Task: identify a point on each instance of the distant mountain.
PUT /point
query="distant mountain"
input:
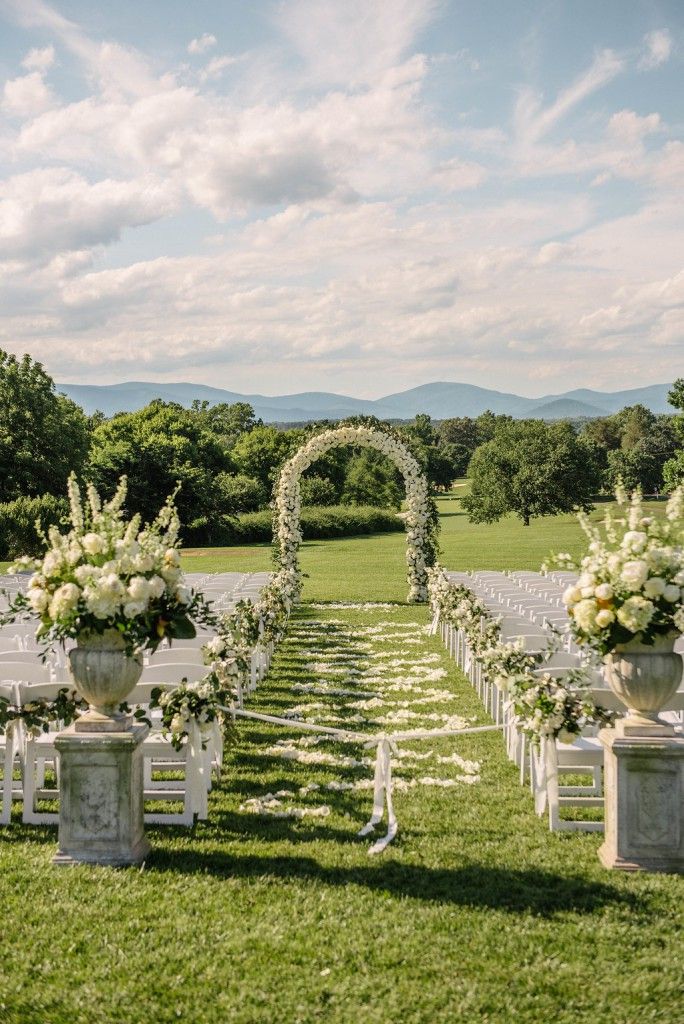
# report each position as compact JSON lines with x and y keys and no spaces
{"x":440,"y":400}
{"x":565,"y":409}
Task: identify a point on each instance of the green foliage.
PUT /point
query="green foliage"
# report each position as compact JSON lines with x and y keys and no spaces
{"x":317,"y":522}
{"x":261,"y":452}
{"x":18,"y":533}
{"x":532,"y":469}
{"x":372,"y":479}
{"x":158,"y":447}
{"x":43,"y":435}
{"x":318,"y":490}
{"x":239,"y":493}
{"x":675,"y":395}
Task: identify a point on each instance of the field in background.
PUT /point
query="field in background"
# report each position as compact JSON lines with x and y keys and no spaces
{"x":372,"y":568}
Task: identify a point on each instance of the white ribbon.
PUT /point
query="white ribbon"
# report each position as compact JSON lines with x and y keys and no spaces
{"x":196,"y":772}
{"x":539,"y":766}
{"x":382,"y":795}
{"x":386,"y":744}
{"x":434,"y":625}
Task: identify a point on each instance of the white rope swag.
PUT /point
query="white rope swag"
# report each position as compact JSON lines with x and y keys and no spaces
{"x":385,"y":746}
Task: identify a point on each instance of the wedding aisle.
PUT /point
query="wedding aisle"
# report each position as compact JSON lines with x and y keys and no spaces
{"x":368,"y":669}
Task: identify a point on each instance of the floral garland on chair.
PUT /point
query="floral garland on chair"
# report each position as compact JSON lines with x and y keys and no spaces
{"x":420,"y":516}
{"x":543,"y":707}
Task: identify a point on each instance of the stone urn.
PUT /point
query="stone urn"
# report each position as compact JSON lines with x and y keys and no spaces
{"x":104,"y":674}
{"x":644,"y":677}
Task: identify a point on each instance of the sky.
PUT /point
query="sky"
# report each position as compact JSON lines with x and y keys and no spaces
{"x":356,"y":196}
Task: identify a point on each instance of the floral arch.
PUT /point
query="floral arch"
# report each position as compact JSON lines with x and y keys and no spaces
{"x":420,"y":516}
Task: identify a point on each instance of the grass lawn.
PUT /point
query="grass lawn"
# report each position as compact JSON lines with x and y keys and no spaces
{"x":475,"y":914}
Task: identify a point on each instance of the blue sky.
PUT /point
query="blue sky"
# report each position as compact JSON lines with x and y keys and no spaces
{"x":347,"y":195}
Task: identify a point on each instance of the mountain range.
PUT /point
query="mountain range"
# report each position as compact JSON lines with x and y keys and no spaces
{"x":439,"y":400}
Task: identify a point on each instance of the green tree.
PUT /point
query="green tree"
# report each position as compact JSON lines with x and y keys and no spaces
{"x":460,"y":430}
{"x":318,"y":490}
{"x":43,"y":435}
{"x":157,"y":447}
{"x":261,"y":452}
{"x":673,"y":470}
{"x":227,"y":421}
{"x":372,"y":480}
{"x":239,"y":493}
{"x":532,"y":469}
{"x":636,"y":423}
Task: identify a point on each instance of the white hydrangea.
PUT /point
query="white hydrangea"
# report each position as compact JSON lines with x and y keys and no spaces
{"x":636,"y":613}
{"x":634,"y":573}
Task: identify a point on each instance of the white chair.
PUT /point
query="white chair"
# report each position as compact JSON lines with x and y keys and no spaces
{"x":582,"y":757}
{"x":172,"y":673}
{"x":8,"y":752}
{"x":173,"y":655}
{"x":38,"y":752}
{"x":25,"y":672}
{"x":159,"y":757}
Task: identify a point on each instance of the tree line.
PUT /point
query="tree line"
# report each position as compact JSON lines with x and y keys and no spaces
{"x":226,"y":460}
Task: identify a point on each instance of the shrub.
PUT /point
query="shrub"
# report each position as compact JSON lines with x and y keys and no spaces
{"x":18,"y":533}
{"x":318,"y":490}
{"x":240,"y":493}
{"x":318,"y":523}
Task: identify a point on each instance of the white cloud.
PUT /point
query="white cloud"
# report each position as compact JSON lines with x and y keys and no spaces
{"x":216,"y":67}
{"x":50,"y":211}
{"x":533,"y":121}
{"x":657,"y":50}
{"x":27,"y":96}
{"x":355,"y":42}
{"x":39,"y":59}
{"x":456,"y":174}
{"x":202,"y":44}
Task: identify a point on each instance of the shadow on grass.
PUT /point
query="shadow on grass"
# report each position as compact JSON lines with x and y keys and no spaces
{"x":472,"y":885}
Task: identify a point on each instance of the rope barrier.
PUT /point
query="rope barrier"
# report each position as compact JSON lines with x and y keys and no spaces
{"x":386,"y":745}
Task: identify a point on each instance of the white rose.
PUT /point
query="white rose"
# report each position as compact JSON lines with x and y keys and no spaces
{"x":604,"y":592}
{"x":93,"y":544}
{"x":156,"y":586}
{"x":132,"y":609}
{"x":654,"y":587}
{"x":183,"y":594}
{"x":604,"y":618}
{"x":177,"y":724}
{"x":138,"y":588}
{"x":671,"y":593}
{"x":634,"y":573}
{"x":38,"y":599}
{"x":572,"y":595}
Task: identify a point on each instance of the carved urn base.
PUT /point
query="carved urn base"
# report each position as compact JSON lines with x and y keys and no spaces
{"x":644,"y":802}
{"x":101,"y":797}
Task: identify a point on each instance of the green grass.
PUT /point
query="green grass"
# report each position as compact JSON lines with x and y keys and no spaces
{"x":373,"y":568}
{"x":475,"y":914}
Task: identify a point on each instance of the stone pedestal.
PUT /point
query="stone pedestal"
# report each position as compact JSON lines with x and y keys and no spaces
{"x":644,"y":802}
{"x":101,"y":797}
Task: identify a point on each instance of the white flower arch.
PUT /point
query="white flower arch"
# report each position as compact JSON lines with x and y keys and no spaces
{"x":417,"y":517}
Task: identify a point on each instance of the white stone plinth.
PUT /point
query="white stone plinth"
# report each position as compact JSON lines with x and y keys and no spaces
{"x":644,"y":802}
{"x":101,"y":797}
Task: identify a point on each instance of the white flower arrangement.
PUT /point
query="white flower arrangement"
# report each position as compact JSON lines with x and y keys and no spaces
{"x":109,"y":575}
{"x":421,"y":523}
{"x":631,"y":581}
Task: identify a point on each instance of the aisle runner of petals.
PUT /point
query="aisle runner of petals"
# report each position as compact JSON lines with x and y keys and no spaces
{"x":369,"y":681}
